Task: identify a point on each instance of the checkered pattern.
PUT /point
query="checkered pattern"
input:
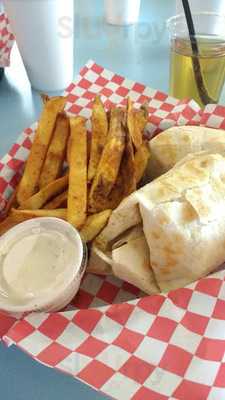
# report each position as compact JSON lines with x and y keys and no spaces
{"x":156,"y":347}
{"x":6,"y":41}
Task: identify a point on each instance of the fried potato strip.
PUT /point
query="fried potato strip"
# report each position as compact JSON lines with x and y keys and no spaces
{"x":109,"y":164}
{"x":52,"y":167}
{"x":141,"y":159}
{"x":99,"y":136}
{"x":58,"y":201}
{"x":38,"y":200}
{"x":77,"y":194}
{"x":30,"y":179}
{"x":94,"y":225}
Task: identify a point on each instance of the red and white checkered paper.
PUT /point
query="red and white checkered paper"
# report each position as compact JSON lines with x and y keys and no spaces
{"x":129,"y":347}
{"x":6,"y":41}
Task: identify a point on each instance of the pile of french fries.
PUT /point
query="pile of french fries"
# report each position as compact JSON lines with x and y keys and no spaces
{"x":77,"y":176}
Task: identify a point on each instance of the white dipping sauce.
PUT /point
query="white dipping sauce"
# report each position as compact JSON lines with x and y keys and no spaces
{"x":37,"y":263}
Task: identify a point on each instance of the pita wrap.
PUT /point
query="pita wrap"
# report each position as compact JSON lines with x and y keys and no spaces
{"x":183,"y":218}
{"x":125,"y":217}
{"x":99,"y":263}
{"x":131,"y":262}
{"x":186,"y":233}
{"x":130,"y":234}
{"x":175,"y":143}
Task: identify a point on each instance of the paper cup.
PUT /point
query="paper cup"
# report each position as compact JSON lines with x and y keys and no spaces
{"x":44,"y":34}
{"x":122,"y":12}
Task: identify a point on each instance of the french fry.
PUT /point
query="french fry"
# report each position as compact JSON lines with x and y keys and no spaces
{"x":12,"y":202}
{"x":29,"y":182}
{"x":135,"y":132}
{"x":58,"y":201}
{"x":88,"y":148}
{"x":77,"y":193}
{"x":136,"y":122}
{"x":99,"y":135}
{"x":9,"y":222}
{"x":28,"y":214}
{"x":68,"y":150}
{"x":111,"y":201}
{"x":141,"y":120}
{"x":52,"y":167}
{"x":45,"y":98}
{"x":40,"y":198}
{"x":17,"y":216}
{"x":127,"y":169}
{"x":141,"y":159}
{"x":94,"y":225}
{"x":110,"y":161}
{"x":145,"y":109}
{"x":125,"y":183}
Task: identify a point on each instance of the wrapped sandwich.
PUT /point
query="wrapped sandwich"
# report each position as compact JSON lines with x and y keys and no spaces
{"x":171,"y":232}
{"x":175,"y":143}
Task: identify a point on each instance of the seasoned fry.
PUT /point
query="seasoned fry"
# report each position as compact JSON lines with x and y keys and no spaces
{"x":77,"y":194}
{"x":17,"y":216}
{"x":88,"y":148}
{"x":127,"y":170}
{"x":99,"y":135}
{"x":12,"y":202}
{"x":141,"y":159}
{"x":27,"y":214}
{"x":140,"y":121}
{"x":136,"y":122}
{"x":125,"y":183}
{"x":29,"y":182}
{"x":45,"y":98}
{"x":109,"y":164}
{"x":68,"y":150}
{"x":111,"y":201}
{"x":94,"y":225}
{"x":39,"y":199}
{"x":52,"y":167}
{"x":58,"y":201}
{"x":9,"y":223}
{"x":135,"y":132}
{"x":145,"y":109}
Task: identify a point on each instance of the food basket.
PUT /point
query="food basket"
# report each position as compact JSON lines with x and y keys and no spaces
{"x":111,"y":337}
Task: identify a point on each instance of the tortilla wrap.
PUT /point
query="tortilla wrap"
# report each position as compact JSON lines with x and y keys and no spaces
{"x":175,"y":143}
{"x":131,"y":262}
{"x":99,"y":263}
{"x":183,"y":217}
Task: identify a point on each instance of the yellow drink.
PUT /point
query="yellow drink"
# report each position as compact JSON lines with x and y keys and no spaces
{"x":183,"y":82}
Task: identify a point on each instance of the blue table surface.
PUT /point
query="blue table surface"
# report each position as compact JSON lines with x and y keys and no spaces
{"x":139,"y":52}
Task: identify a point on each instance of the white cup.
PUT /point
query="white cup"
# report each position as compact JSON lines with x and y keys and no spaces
{"x":122,"y":12}
{"x":44,"y":34}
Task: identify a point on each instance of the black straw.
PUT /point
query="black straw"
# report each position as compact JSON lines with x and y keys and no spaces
{"x":191,"y":27}
{"x":204,"y":96}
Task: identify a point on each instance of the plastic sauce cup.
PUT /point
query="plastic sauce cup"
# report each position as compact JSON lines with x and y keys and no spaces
{"x":42,"y":262}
